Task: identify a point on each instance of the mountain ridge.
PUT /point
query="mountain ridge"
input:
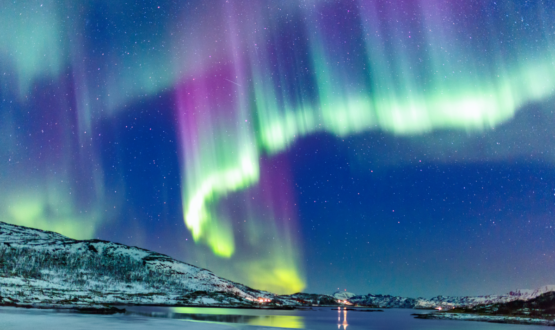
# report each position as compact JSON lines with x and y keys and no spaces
{"x":35,"y":262}
{"x":447,"y":302}
{"x":539,"y":310}
{"x":46,"y":269}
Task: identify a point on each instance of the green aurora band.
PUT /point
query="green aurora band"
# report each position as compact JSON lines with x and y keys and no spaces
{"x":258,"y":84}
{"x":438,"y":85}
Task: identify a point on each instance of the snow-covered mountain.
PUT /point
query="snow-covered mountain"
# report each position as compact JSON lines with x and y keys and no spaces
{"x":343,"y":295}
{"x":312,"y":299}
{"x":469,"y":301}
{"x":41,"y":268}
{"x":447,"y":302}
{"x":383,"y":301}
{"x":45,"y":269}
{"x":538,"y":310}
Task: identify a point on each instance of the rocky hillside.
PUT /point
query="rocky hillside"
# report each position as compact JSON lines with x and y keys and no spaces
{"x":542,"y":306}
{"x":539,"y":310}
{"x":343,"y":295}
{"x":383,"y":301}
{"x":446,"y":302}
{"x":42,"y":269}
{"x":45,"y":269}
{"x":469,"y":301}
{"x":312,"y":299}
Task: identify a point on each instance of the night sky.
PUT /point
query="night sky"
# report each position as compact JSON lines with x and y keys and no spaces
{"x":394,"y":147}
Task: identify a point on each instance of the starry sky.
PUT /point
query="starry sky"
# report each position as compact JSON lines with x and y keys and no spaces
{"x":396,"y":147}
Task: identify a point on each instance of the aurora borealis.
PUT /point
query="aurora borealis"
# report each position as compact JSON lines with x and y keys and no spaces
{"x":290,"y":145}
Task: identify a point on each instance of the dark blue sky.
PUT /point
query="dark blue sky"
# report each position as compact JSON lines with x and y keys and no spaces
{"x":380,"y":147}
{"x":377,"y":213}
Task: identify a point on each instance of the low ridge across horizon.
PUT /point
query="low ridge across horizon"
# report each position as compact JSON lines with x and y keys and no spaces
{"x":49,"y":244}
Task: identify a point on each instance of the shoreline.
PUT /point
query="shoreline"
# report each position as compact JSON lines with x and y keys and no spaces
{"x":110,"y":309}
{"x":506,"y":319}
{"x":121,"y":308}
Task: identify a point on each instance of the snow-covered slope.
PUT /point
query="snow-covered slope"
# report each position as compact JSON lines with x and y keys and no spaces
{"x":446,"y":302}
{"x":343,"y":295}
{"x":469,"y":301}
{"x":538,"y":310}
{"x":312,"y":299}
{"x":383,"y":301}
{"x":40,"y":268}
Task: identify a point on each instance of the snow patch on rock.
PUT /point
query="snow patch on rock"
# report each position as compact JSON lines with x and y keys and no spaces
{"x":343,"y":295}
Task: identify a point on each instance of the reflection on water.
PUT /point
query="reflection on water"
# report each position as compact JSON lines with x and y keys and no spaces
{"x":209,"y":311}
{"x":280,"y":321}
{"x":344,"y":324}
{"x":165,"y":318}
{"x":227,"y":316}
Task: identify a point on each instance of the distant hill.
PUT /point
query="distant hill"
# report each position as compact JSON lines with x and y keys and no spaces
{"x":542,"y":306}
{"x":343,"y":295}
{"x":539,"y":310}
{"x":446,"y":302}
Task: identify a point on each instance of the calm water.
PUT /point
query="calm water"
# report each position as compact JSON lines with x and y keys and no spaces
{"x":161,"y":318}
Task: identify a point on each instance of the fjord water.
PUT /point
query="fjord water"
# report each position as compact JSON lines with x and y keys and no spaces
{"x":162,"y":318}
